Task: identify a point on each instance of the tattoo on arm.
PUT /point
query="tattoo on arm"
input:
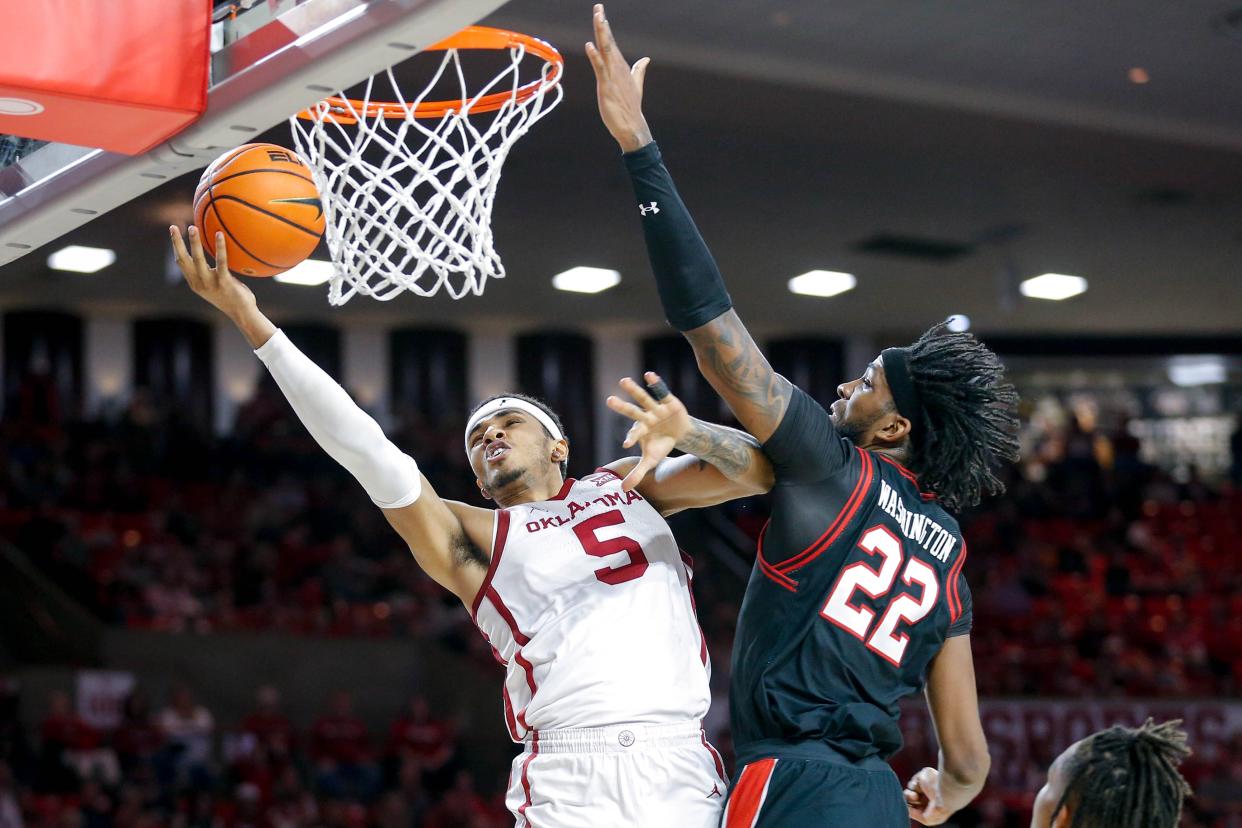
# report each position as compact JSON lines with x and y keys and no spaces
{"x":739,"y":372}
{"x":729,"y":450}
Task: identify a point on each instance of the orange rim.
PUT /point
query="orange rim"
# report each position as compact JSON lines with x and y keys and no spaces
{"x":472,"y":37}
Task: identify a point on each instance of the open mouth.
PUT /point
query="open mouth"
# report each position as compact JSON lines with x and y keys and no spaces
{"x":496,"y":452}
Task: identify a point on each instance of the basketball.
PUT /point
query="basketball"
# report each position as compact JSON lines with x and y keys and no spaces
{"x":263,"y":198}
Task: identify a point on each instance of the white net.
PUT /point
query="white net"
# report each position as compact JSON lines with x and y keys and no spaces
{"x":408,"y":200}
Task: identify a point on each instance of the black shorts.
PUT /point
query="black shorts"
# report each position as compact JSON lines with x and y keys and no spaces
{"x":785,"y":792}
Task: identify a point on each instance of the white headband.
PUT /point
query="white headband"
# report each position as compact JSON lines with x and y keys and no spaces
{"x":507,"y":403}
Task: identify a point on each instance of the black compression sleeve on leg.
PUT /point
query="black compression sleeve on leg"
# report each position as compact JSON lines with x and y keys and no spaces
{"x":691,"y":288}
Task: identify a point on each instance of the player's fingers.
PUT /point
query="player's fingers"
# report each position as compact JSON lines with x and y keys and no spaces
{"x":639,"y":394}
{"x":639,"y":73}
{"x":200,"y":260}
{"x":603,"y":37}
{"x":626,"y":409}
{"x":636,"y":475}
{"x":607,"y":43}
{"x":596,"y":62}
{"x":222,"y":258}
{"x":186,"y":263}
{"x":656,"y":387}
{"x":637,"y":432}
{"x":181,"y":254}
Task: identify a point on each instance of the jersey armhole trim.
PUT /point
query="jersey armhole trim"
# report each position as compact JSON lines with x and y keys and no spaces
{"x":777,"y":577}
{"x":953,"y":593}
{"x":865,"y":475}
{"x":500,"y":533}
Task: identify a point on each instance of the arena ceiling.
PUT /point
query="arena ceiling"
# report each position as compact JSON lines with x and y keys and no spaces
{"x":939,"y":151}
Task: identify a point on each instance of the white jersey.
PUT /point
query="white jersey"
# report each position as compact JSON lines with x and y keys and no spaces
{"x":587,"y":603}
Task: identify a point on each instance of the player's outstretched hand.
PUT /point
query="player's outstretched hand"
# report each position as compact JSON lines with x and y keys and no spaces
{"x":658,"y":423}
{"x":618,"y":87}
{"x":216,"y":285}
{"x":924,"y":800}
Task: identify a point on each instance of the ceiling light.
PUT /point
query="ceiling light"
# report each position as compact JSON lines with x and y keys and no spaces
{"x":81,"y":259}
{"x":959,"y":323}
{"x":586,"y":279}
{"x":1138,"y":75}
{"x":310,"y":272}
{"x":1190,"y":371}
{"x":822,"y":283}
{"x":1054,"y":286}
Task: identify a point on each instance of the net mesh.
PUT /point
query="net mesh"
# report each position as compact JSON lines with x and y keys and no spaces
{"x":408,"y":200}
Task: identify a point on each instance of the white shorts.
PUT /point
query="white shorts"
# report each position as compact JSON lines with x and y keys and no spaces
{"x":654,"y":776}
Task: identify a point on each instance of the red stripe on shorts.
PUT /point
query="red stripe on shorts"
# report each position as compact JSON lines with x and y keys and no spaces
{"x":534,"y":751}
{"x":748,"y":794}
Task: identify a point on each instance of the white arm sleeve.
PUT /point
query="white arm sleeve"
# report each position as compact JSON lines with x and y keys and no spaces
{"x":346,"y":432}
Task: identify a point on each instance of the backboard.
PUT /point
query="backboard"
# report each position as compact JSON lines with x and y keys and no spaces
{"x":269,"y":61}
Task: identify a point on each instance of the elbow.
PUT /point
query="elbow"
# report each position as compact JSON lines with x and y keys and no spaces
{"x":759,"y":485}
{"x":968,"y":768}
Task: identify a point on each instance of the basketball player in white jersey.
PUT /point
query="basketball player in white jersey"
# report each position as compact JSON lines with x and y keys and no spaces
{"x":578,"y":585}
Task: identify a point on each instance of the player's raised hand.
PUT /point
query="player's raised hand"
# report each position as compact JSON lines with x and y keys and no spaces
{"x":618,"y":87}
{"x":660,"y":421}
{"x":216,"y":285}
{"x":924,"y":800}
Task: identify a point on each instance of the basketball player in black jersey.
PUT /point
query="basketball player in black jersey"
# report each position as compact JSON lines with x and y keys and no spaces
{"x":857,"y":598}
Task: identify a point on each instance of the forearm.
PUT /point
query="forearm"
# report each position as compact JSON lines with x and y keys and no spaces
{"x":961,"y":780}
{"x":346,"y":432}
{"x":691,"y":288}
{"x":736,"y":454}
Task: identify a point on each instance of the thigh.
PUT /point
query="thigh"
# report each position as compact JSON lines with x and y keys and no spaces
{"x":792,"y":793}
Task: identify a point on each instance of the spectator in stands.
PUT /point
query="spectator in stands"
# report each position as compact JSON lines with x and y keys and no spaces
{"x":188,"y":729}
{"x":419,"y":738}
{"x":63,"y":737}
{"x":269,"y":726}
{"x":138,"y":738}
{"x":10,"y":810}
{"x":340,"y":746}
{"x":15,"y":749}
{"x":461,"y":807}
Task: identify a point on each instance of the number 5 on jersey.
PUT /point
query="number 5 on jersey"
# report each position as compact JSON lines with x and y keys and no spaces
{"x":611,"y":575}
{"x":885,"y":641}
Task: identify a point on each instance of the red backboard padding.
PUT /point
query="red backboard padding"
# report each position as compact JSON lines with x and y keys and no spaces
{"x":122,"y":75}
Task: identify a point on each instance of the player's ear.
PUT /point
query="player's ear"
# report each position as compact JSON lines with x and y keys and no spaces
{"x":1061,"y":820}
{"x":483,"y":489}
{"x":560,"y":450}
{"x":894,"y":430}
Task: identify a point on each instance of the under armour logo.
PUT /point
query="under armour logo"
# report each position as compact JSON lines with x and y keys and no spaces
{"x":715,"y":792}
{"x":648,"y":208}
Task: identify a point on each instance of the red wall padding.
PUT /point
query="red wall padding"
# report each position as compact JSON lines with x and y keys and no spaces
{"x":122,"y":75}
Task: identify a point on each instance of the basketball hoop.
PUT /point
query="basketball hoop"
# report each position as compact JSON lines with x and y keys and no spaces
{"x":408,"y":186}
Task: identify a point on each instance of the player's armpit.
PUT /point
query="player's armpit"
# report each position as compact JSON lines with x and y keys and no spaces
{"x":451,"y":541}
{"x":954,"y":705}
{"x":731,"y":361}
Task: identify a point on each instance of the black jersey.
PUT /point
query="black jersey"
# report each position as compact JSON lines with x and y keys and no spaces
{"x":857,"y":584}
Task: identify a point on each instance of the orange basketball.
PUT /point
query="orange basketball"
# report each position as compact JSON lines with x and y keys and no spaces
{"x":263,"y":197}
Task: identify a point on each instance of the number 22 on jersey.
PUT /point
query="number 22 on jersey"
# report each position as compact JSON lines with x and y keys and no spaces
{"x":884,"y":639}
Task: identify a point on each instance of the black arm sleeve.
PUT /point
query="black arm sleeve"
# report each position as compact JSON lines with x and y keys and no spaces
{"x":965,"y":621}
{"x":691,"y":288}
{"x":806,"y":446}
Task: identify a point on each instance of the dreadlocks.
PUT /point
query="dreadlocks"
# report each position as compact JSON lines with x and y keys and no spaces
{"x":542,"y":406}
{"x":970,"y":420}
{"x":1127,"y":778}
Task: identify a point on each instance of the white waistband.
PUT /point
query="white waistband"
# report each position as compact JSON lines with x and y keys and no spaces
{"x":618,"y":738}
